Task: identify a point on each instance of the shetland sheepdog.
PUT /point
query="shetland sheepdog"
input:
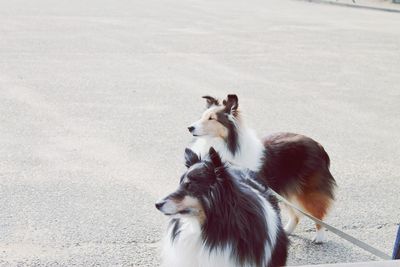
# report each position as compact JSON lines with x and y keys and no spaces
{"x":219,"y":217}
{"x":293,"y":165}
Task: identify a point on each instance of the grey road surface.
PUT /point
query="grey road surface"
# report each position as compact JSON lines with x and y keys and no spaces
{"x":96,"y":95}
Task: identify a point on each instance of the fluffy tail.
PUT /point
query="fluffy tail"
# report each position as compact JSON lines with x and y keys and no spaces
{"x":325,"y":156}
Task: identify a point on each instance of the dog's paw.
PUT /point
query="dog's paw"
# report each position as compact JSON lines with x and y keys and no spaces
{"x":320,"y":237}
{"x":289,"y":227}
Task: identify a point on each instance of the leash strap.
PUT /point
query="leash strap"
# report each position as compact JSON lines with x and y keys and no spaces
{"x":336,"y":231}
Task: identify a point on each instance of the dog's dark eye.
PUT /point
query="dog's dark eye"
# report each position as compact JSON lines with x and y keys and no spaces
{"x":187,"y":186}
{"x":210,"y":119}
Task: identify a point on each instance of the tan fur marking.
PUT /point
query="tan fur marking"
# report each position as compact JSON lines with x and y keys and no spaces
{"x":317,"y":204}
{"x":212,"y":126}
{"x":311,"y":199}
{"x":193,"y":203}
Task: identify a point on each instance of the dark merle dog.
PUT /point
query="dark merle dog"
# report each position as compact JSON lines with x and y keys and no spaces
{"x":220,"y":216}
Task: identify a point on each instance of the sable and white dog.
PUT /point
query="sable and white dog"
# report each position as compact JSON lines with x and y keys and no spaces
{"x":221,"y":217}
{"x":294,"y":165}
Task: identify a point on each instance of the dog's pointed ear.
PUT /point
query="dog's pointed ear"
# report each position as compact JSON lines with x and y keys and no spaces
{"x":219,"y":167}
{"x":191,"y":158}
{"x":211,"y":101}
{"x":215,"y":158}
{"x":231,"y":104}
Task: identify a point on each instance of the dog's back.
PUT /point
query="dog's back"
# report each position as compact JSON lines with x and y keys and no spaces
{"x":291,"y":161}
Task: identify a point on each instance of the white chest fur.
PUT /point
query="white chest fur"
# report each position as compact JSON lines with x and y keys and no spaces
{"x":249,"y":155}
{"x":187,"y":250}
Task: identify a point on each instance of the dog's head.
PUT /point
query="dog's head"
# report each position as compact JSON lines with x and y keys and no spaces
{"x":198,"y":187}
{"x":219,"y":119}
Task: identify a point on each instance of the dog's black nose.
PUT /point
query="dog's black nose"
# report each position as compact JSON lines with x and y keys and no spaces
{"x":191,"y":128}
{"x":160,"y":204}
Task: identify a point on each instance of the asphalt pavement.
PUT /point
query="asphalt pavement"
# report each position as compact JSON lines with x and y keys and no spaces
{"x":96,"y":96}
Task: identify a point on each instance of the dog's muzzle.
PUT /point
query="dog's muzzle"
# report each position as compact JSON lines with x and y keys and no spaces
{"x":160,"y":204}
